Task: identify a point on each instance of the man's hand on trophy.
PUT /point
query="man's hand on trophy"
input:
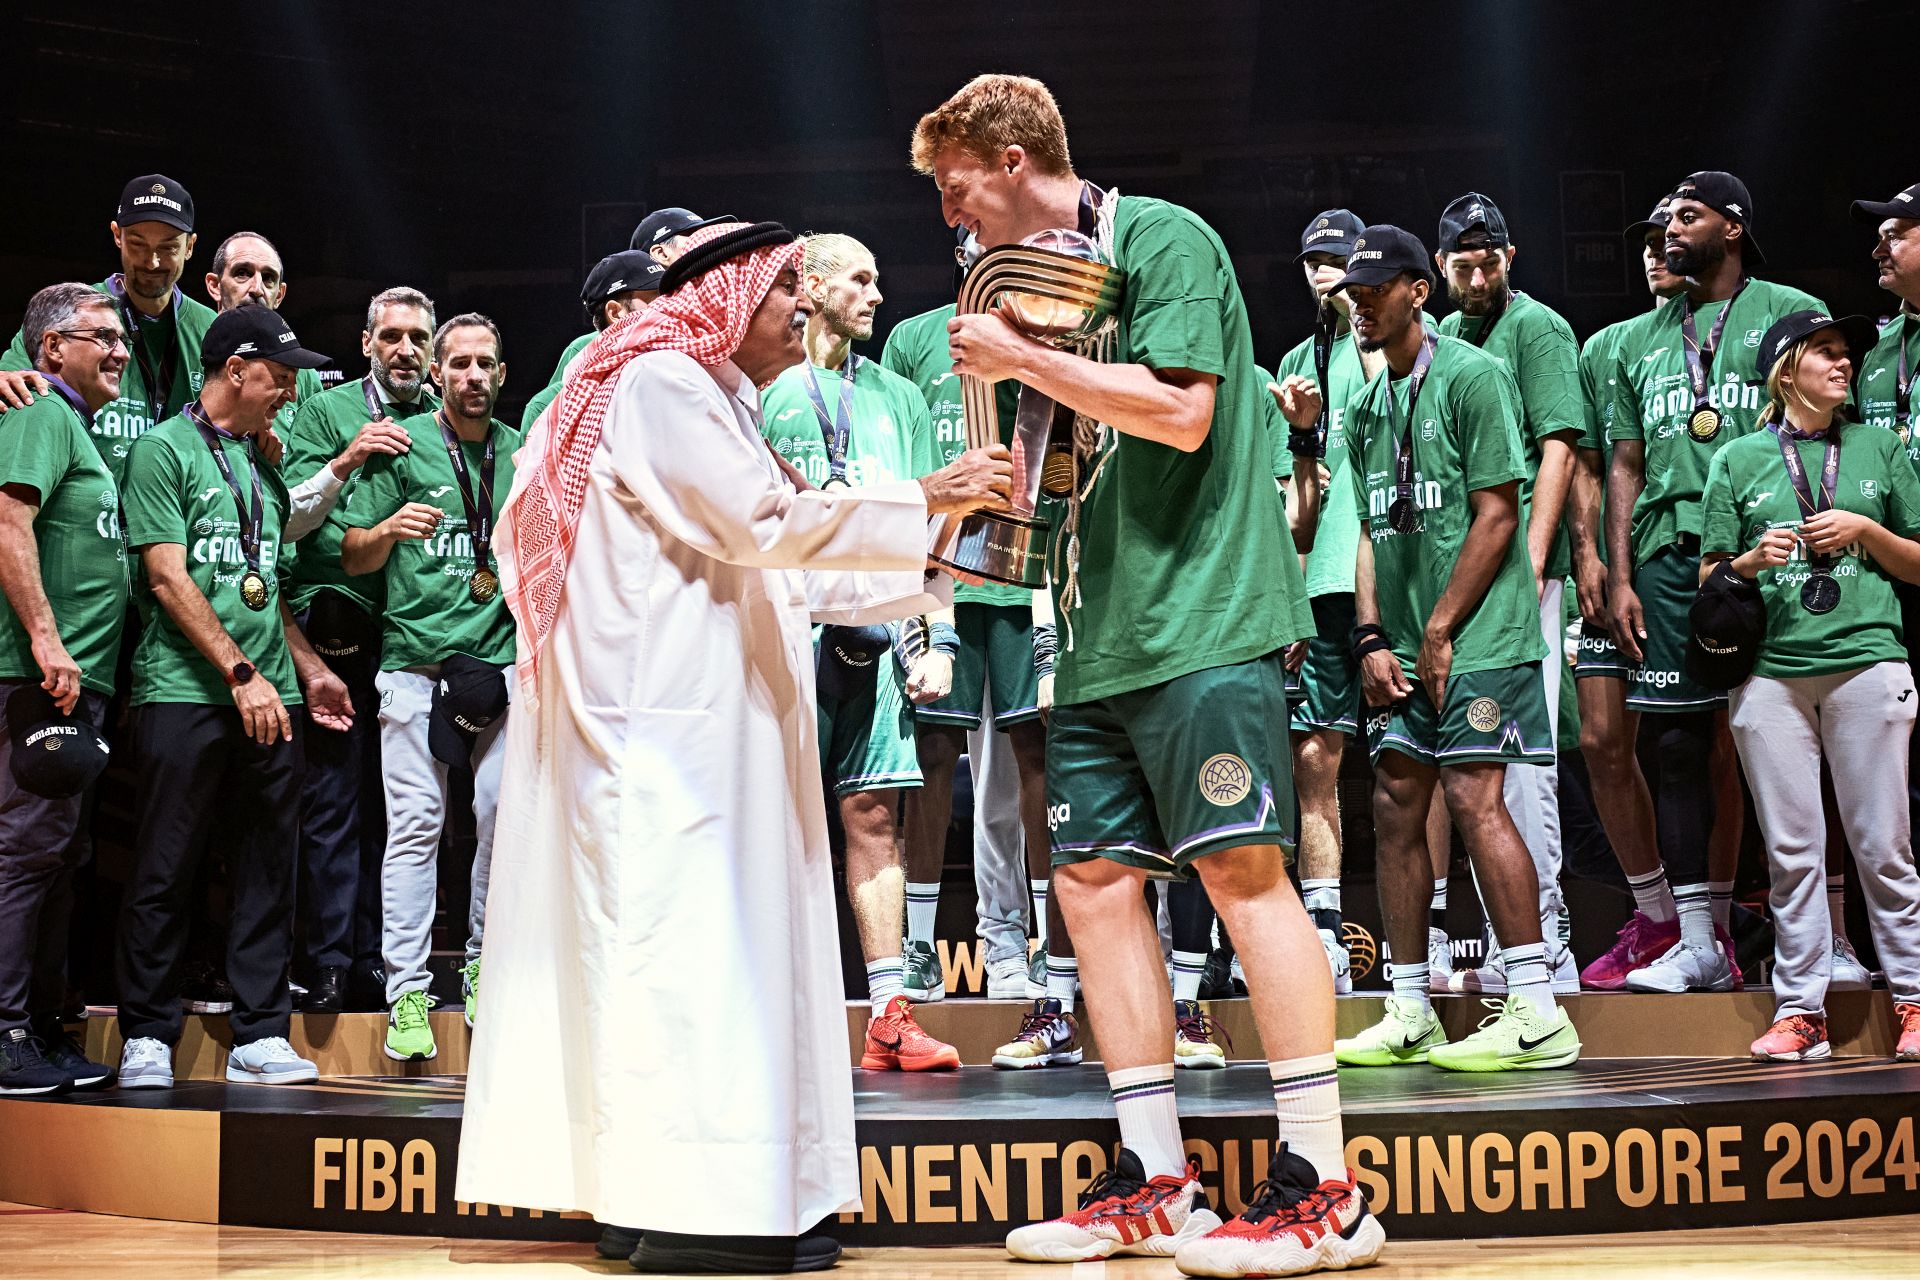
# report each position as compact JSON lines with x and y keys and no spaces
{"x":988,"y":347}
{"x":977,"y":478}
{"x":1299,"y":401}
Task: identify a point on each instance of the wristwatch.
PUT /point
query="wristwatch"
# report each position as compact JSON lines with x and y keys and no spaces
{"x":240,"y":673}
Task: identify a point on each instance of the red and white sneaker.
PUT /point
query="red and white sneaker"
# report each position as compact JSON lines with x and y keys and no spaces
{"x":895,"y":1042}
{"x":1295,"y":1224}
{"x":1642,"y":940}
{"x":1795,"y":1038}
{"x":1907,"y":1047}
{"x":1122,"y":1211}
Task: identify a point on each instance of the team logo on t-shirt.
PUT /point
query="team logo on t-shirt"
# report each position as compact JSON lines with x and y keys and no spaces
{"x":1429,"y":429}
{"x":1225,"y":780}
{"x":1483,"y":714}
{"x":1868,"y":489}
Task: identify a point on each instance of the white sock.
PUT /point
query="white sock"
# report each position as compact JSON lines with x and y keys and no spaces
{"x":1306,"y":1096}
{"x":1063,"y":979}
{"x":923,"y":901}
{"x":1694,"y":903}
{"x":1149,"y":1117}
{"x":1039,"y":889}
{"x":1720,"y":896}
{"x":1410,"y":982}
{"x":885,"y":979}
{"x":1437,"y":913}
{"x":1652,"y":896}
{"x":1320,"y":895}
{"x":1529,"y":977}
{"x":1188,"y":968}
{"x":1837,"y":904}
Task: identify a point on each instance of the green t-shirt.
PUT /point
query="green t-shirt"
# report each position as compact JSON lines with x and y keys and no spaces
{"x":1183,"y":560}
{"x":574,"y":348}
{"x":429,"y":613}
{"x":1652,"y":402}
{"x":176,"y":333}
{"x":1748,"y":493}
{"x":1596,"y":383}
{"x":917,"y":351}
{"x":1539,"y":352}
{"x":1876,"y":384}
{"x":1336,"y":539}
{"x":174,"y":492}
{"x":538,"y":405}
{"x":890,"y":437}
{"x":1466,"y":437}
{"x":322,"y":429}
{"x":306,"y":385}
{"x":83,"y":561}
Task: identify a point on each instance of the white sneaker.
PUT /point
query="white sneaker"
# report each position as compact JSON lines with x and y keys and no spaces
{"x":1566,"y":974}
{"x":1684,"y":968}
{"x":1490,"y":977}
{"x":1439,"y":960}
{"x":1007,"y":978}
{"x":146,"y":1063}
{"x":1848,"y":973}
{"x":269,"y":1061}
{"x":1339,"y":962}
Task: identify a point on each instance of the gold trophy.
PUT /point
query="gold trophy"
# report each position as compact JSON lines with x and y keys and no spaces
{"x":1052,"y":287}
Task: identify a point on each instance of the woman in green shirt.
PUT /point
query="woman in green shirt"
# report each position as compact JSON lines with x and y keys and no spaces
{"x":1824,"y":517}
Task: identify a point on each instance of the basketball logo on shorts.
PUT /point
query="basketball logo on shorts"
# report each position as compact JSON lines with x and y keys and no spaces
{"x":1225,"y":780}
{"x":1483,"y":714}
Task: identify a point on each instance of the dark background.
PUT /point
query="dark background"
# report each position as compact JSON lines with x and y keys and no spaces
{"x":490,"y":152}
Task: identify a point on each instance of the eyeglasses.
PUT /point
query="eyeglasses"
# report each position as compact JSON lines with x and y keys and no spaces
{"x":107,"y":338}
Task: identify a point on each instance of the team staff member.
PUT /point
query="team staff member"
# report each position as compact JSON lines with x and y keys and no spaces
{"x":153,"y":230}
{"x":1323,"y":694}
{"x":844,"y":421}
{"x":1824,"y":517}
{"x":343,"y":836}
{"x":1450,"y":649}
{"x":1537,"y":348}
{"x":423,"y":521}
{"x":1682,"y":386}
{"x":1164,"y":746}
{"x":619,"y":284}
{"x":63,"y":571}
{"x":212,"y":733}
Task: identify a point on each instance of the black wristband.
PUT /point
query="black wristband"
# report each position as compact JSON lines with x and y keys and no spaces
{"x":1306,"y":442}
{"x":1368,"y":637}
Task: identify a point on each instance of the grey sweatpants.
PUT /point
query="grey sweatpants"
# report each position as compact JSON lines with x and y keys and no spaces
{"x":1861,"y":721}
{"x":1533,"y":793}
{"x":416,"y":787}
{"x":1005,"y":900}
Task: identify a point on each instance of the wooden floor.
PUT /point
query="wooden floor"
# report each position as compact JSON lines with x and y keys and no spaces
{"x":39,"y":1244}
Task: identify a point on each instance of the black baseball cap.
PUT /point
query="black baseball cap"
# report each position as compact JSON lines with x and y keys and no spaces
{"x":154,"y":197}
{"x":1797,"y":326}
{"x":1331,"y":231}
{"x":1728,"y":621}
{"x":1380,"y":253}
{"x":665,"y":224}
{"x":1727,"y":196}
{"x":469,"y":696}
{"x":619,"y":273}
{"x":257,"y":333}
{"x":53,"y":754}
{"x":1662,"y":214}
{"x":1467,"y":213}
{"x":1906,"y":204}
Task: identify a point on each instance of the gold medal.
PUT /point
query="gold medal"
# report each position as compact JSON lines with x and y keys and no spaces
{"x":831,"y":485}
{"x":483,"y":586}
{"x":1704,"y":425}
{"x":253,"y":591}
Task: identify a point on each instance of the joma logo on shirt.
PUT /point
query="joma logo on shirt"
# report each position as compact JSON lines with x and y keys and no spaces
{"x":208,"y":494}
{"x":442,"y":491}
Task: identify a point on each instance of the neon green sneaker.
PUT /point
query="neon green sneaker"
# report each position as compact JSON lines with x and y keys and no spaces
{"x":470,"y":989}
{"x":409,"y":1033}
{"x":1406,"y":1035}
{"x":1513,"y":1038}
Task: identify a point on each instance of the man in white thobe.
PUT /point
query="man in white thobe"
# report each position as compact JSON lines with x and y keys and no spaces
{"x":661,"y":814}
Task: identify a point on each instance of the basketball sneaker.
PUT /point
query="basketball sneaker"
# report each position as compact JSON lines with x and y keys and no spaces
{"x":1007,"y":979}
{"x":1439,"y":960}
{"x":1295,"y":1224}
{"x":1193,"y":1032}
{"x":1048,"y":1037}
{"x":895,"y":1042}
{"x":1404,"y":1036}
{"x":1514,"y":1037}
{"x":1907,"y":1047}
{"x":1338,"y":961}
{"x":1640,"y":942}
{"x":1796,"y":1038}
{"x":470,"y":991}
{"x":1685,"y":967}
{"x":1732,"y":952}
{"x":924,"y":983}
{"x":409,"y":1032}
{"x":1037,"y":973}
{"x":1848,"y":973}
{"x":1122,"y":1211}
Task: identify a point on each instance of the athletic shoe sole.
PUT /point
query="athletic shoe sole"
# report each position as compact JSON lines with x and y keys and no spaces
{"x":240,"y":1075}
{"x":1285,"y":1256}
{"x":924,"y":995}
{"x":1067,"y":1058}
{"x":948,"y":1061}
{"x":1812,"y":1053}
{"x":1527,"y":1062}
{"x":147,"y":1081}
{"x":1382,"y":1057}
{"x":1016,"y":990}
{"x":33,"y":1091}
{"x":1071,"y":1244}
{"x":1200,"y":1061}
{"x":428,"y":1056}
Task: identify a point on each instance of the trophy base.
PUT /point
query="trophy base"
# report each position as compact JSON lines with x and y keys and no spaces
{"x":993,"y":546}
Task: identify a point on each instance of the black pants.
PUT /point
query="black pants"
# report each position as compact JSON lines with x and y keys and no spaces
{"x":39,"y":851}
{"x":203,"y":780}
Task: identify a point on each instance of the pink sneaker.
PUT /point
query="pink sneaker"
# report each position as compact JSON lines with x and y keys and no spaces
{"x":1907,"y":1048}
{"x":1725,"y":940}
{"x":1642,"y":940}
{"x":1793,"y":1039}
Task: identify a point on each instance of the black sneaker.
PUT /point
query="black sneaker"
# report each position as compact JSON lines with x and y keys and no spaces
{"x":670,"y":1253}
{"x":205,"y":989}
{"x":24,"y":1069}
{"x":366,"y":987}
{"x":618,"y":1242}
{"x":66,"y":1053}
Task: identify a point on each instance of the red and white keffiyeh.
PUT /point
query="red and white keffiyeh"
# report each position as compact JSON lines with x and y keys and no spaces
{"x":705,"y":318}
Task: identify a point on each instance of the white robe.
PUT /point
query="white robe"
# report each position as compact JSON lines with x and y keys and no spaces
{"x":661,"y":1039}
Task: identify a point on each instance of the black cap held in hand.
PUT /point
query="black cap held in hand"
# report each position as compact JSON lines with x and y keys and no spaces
{"x":469,"y":696}
{"x":1728,"y":621}
{"x":52,"y":755}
